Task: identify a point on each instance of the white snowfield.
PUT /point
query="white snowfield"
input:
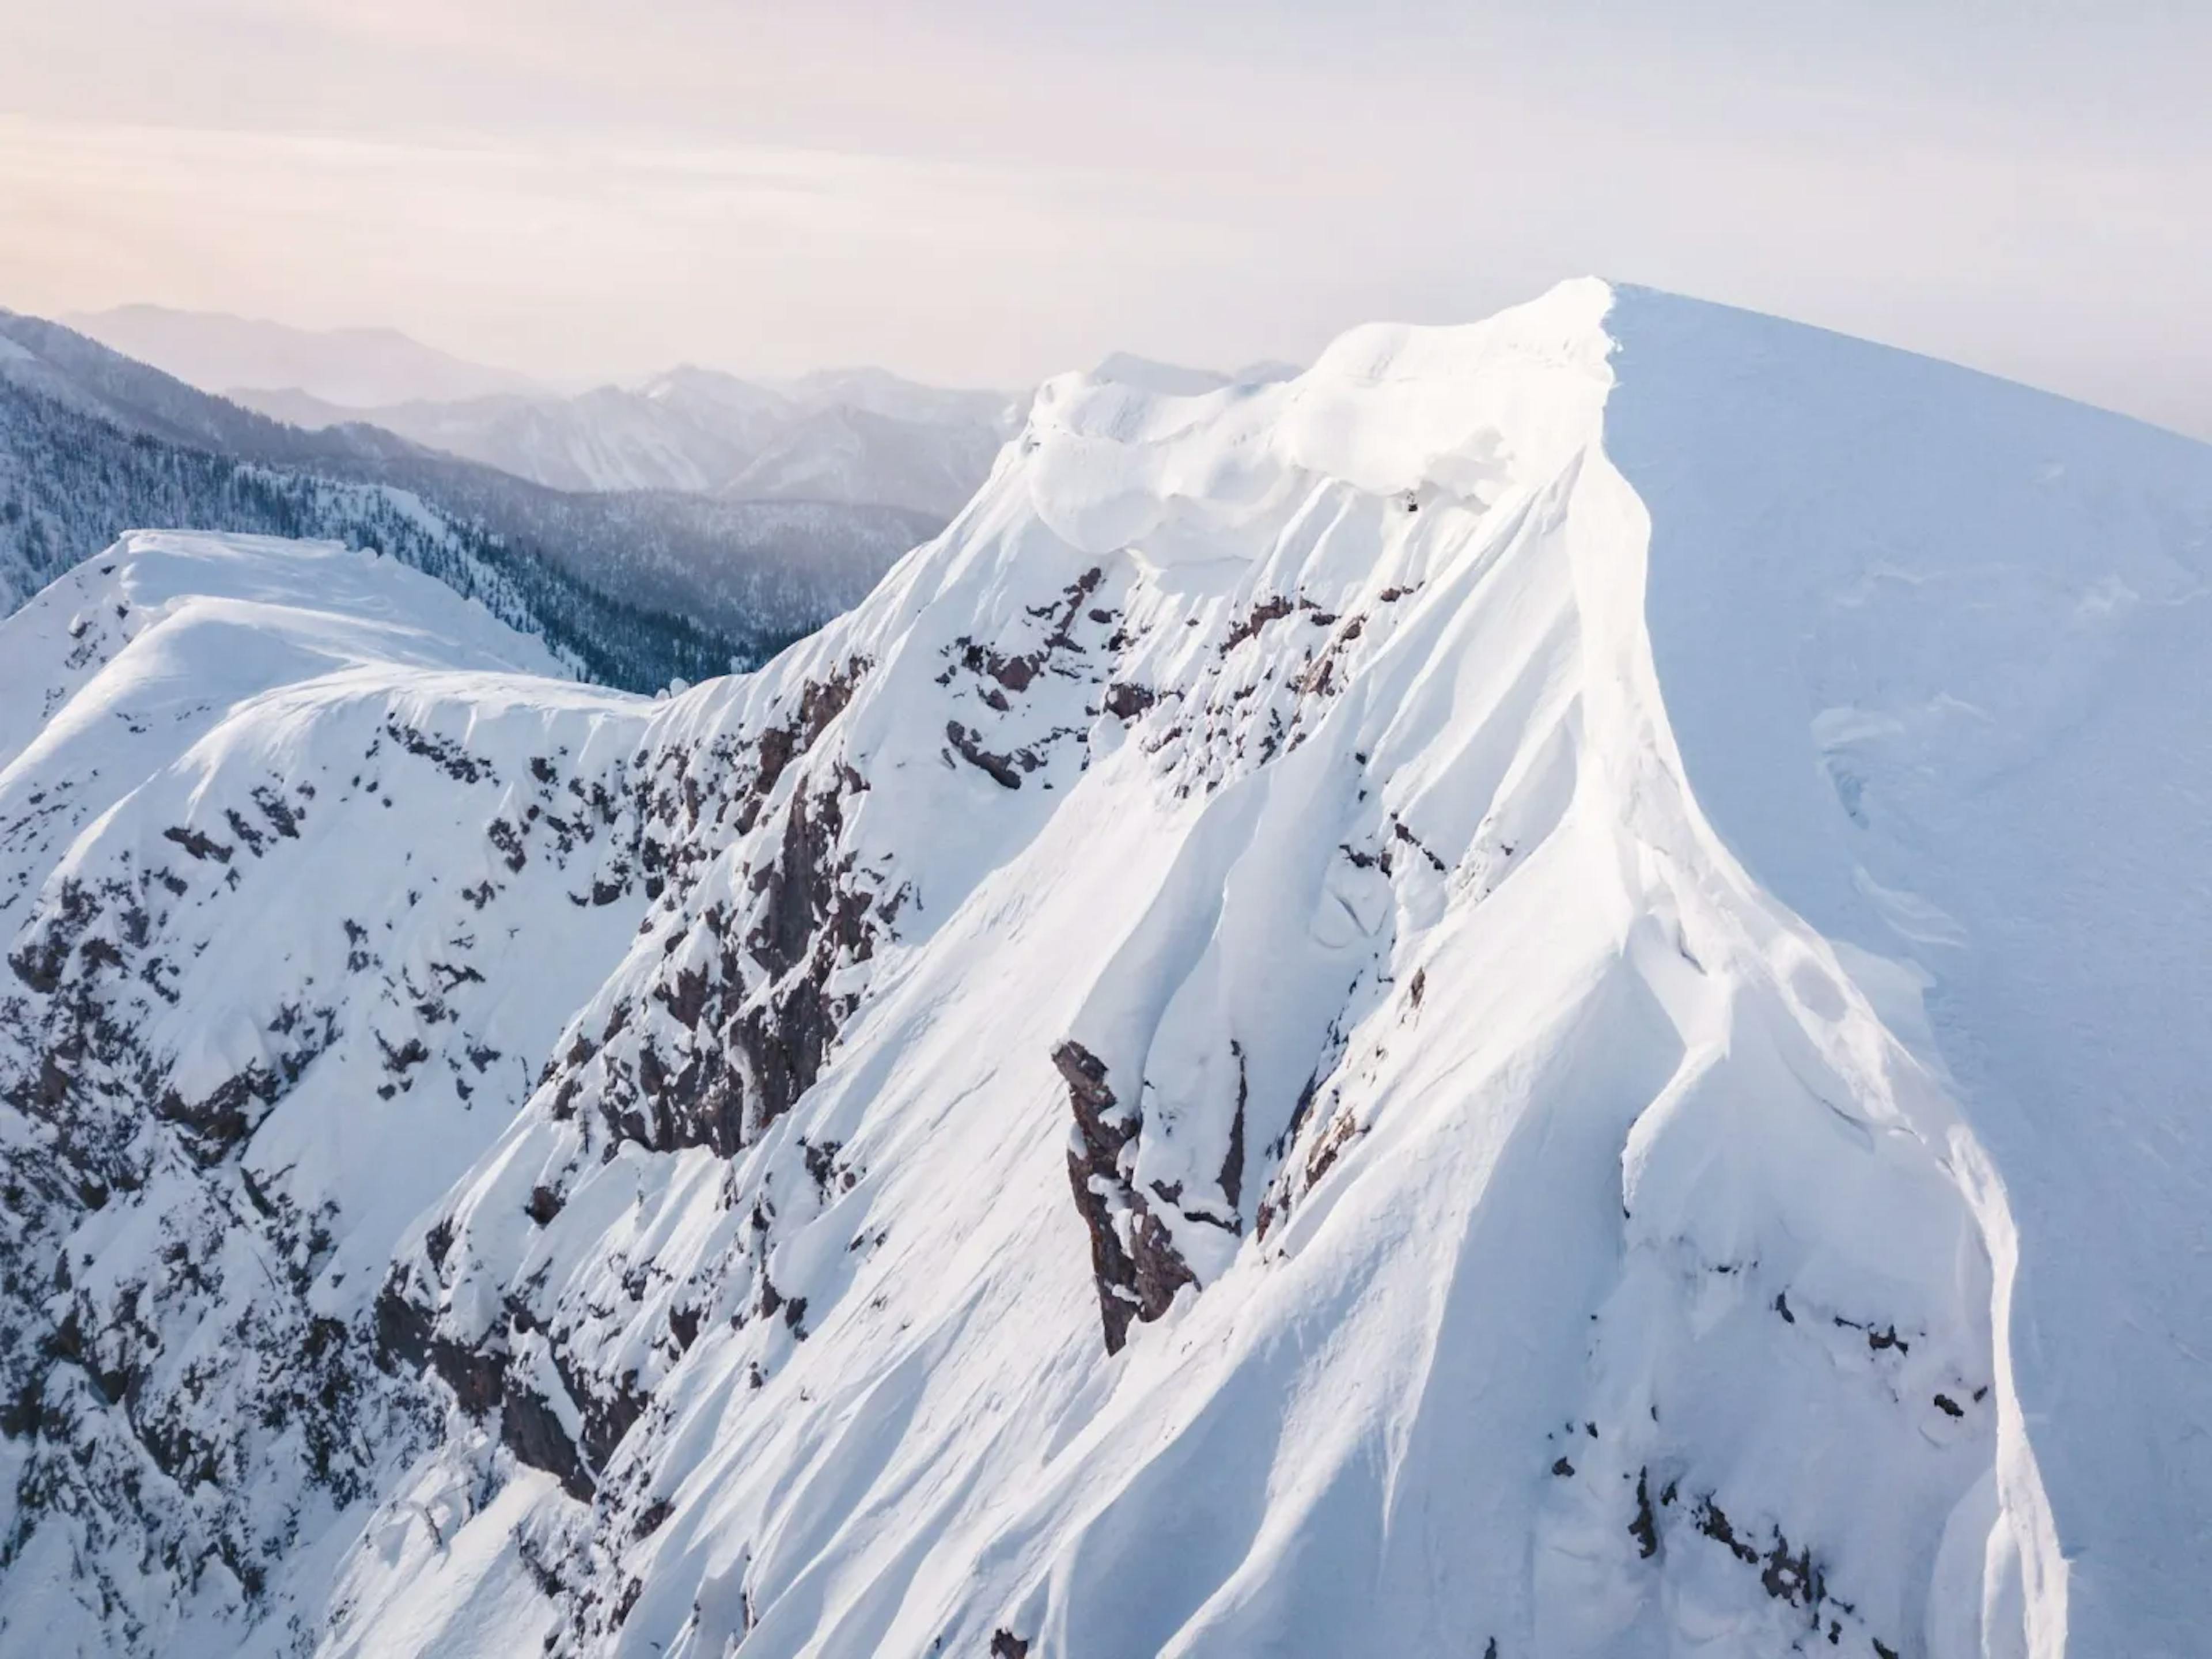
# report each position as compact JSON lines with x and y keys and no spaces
{"x":117,"y":668}
{"x":1538,"y":993}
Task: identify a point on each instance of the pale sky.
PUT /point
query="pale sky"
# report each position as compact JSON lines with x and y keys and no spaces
{"x":983,"y":191}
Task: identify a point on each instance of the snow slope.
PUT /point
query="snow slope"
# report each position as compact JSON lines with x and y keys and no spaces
{"x":1977,"y":738}
{"x":128,"y":659}
{"x":1527,"y":995}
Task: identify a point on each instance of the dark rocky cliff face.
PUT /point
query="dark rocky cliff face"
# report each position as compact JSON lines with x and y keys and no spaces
{"x":722,"y":1021}
{"x":1132,"y":1255}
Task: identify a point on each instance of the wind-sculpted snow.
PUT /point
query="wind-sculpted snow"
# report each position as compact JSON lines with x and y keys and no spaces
{"x":1973,"y":737}
{"x":1386,"y":1012}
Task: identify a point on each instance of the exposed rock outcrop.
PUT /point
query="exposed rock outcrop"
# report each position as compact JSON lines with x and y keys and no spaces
{"x":1132,"y":1258}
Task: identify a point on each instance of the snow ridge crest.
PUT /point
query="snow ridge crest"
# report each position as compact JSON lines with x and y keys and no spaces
{"x":1223,"y":1066}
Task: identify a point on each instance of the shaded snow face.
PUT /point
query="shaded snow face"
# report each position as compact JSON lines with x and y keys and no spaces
{"x":1250,"y":1057}
{"x":1970,"y":739}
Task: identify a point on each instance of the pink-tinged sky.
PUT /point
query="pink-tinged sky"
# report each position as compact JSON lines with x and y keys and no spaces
{"x":983,"y":191}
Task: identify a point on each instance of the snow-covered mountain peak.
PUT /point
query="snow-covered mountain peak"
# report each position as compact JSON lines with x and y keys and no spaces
{"x":713,"y":388}
{"x":1151,"y":375}
{"x":1398,"y":1011}
{"x":1390,"y":409}
{"x":169,"y":613}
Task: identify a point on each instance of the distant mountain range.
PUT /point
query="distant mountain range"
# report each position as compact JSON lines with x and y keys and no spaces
{"x":857,"y":437}
{"x":355,"y":367}
{"x":631,"y":588}
{"x":861,"y":438}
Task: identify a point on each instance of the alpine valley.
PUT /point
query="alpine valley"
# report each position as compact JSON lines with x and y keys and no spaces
{"x":1536,"y":994}
{"x":627,"y":587}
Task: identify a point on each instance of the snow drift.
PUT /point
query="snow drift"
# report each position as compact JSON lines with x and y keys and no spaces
{"x":1529,"y":994}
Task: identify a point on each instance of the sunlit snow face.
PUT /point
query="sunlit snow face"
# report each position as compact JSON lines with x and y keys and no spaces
{"x":1396,"y":413}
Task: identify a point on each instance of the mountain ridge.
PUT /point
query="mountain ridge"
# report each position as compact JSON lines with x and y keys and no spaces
{"x":861,"y":438}
{"x":1403,"y":1010}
